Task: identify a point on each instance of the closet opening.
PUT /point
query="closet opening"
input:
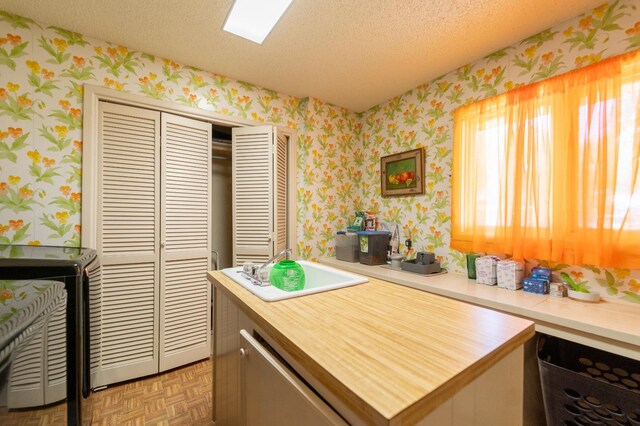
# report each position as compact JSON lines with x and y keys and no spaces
{"x":221,"y":197}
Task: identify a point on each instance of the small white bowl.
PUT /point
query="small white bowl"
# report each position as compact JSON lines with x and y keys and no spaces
{"x":584,"y":297}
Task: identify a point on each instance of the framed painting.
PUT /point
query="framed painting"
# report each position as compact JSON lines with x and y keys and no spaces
{"x":402,"y":173}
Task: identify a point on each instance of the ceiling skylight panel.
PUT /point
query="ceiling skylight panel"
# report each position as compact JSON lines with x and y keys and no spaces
{"x":254,"y":19}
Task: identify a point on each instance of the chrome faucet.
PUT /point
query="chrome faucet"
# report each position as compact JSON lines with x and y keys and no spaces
{"x":254,"y":275}
{"x":285,"y":252}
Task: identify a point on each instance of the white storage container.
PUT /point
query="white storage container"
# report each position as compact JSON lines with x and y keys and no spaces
{"x":510,"y":274}
{"x":486,"y":270}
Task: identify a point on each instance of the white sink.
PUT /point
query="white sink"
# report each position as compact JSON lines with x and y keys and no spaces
{"x":318,"y":278}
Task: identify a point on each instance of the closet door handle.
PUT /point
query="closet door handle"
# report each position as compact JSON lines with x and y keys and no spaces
{"x":163,"y":244}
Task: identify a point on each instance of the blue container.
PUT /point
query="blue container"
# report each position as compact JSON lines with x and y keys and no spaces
{"x":536,"y":285}
{"x":541,"y":273}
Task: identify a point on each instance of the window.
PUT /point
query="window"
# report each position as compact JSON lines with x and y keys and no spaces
{"x":551,"y":170}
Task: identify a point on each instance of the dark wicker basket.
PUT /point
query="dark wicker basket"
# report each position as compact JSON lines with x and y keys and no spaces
{"x":586,"y":386}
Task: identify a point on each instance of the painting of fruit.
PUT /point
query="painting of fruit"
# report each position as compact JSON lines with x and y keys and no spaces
{"x":401,"y":173}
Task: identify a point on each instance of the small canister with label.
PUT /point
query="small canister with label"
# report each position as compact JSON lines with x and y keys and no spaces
{"x":558,"y":289}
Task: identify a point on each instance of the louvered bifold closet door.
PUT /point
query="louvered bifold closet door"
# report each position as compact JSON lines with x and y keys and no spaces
{"x":185,"y":293}
{"x":281,"y":193}
{"x":129,"y":219}
{"x":253,"y":193}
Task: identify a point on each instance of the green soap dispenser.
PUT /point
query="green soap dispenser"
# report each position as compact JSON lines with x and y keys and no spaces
{"x":287,"y":275}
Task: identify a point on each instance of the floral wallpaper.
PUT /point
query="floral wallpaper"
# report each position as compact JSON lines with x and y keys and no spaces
{"x":43,"y":70}
{"x":423,"y":116}
{"x":329,"y":176}
{"x":42,"y":73}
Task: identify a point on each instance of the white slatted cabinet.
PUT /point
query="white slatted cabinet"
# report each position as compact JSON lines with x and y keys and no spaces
{"x":259,"y":193}
{"x":153,"y":213}
{"x":186,"y":240}
{"x":128,"y":216}
{"x":281,"y":189}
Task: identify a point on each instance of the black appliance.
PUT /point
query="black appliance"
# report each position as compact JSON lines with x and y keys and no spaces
{"x":80,"y":270}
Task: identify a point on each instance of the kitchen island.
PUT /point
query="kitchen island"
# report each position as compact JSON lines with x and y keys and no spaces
{"x":376,"y":353}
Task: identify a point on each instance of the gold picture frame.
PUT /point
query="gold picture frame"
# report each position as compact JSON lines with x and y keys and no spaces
{"x":402,"y":174}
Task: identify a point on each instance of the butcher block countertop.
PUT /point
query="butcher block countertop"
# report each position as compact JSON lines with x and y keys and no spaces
{"x":391,"y":354}
{"x":608,"y":325}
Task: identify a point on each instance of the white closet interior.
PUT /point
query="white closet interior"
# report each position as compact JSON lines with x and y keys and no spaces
{"x":221,"y":224}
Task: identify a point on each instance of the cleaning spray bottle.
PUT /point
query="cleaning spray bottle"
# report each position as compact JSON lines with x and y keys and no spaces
{"x":395,"y":239}
{"x":396,"y":257}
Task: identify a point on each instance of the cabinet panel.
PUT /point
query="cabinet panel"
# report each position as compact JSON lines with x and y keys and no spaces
{"x":271,"y":394}
{"x":229,"y":375}
{"x":227,"y":344}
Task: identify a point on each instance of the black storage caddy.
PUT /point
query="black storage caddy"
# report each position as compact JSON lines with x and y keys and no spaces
{"x":585,"y":386}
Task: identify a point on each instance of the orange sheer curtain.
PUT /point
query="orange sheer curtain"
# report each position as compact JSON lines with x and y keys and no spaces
{"x":551,"y":170}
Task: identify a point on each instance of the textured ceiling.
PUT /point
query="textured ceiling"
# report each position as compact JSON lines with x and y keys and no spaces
{"x":352,"y":53}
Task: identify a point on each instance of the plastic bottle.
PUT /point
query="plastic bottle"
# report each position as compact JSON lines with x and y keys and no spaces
{"x":287,"y":275}
{"x":395,"y":240}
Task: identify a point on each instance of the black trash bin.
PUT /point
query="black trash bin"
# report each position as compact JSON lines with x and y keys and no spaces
{"x":587,"y":386}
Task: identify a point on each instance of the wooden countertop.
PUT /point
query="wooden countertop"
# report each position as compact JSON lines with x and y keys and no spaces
{"x":390,"y":353}
{"x":610,"y":326}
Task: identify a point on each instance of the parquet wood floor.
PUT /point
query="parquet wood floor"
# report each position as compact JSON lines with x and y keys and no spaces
{"x":182,"y":396}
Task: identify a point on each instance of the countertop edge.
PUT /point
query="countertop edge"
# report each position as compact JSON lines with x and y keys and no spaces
{"x":432,"y":401}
